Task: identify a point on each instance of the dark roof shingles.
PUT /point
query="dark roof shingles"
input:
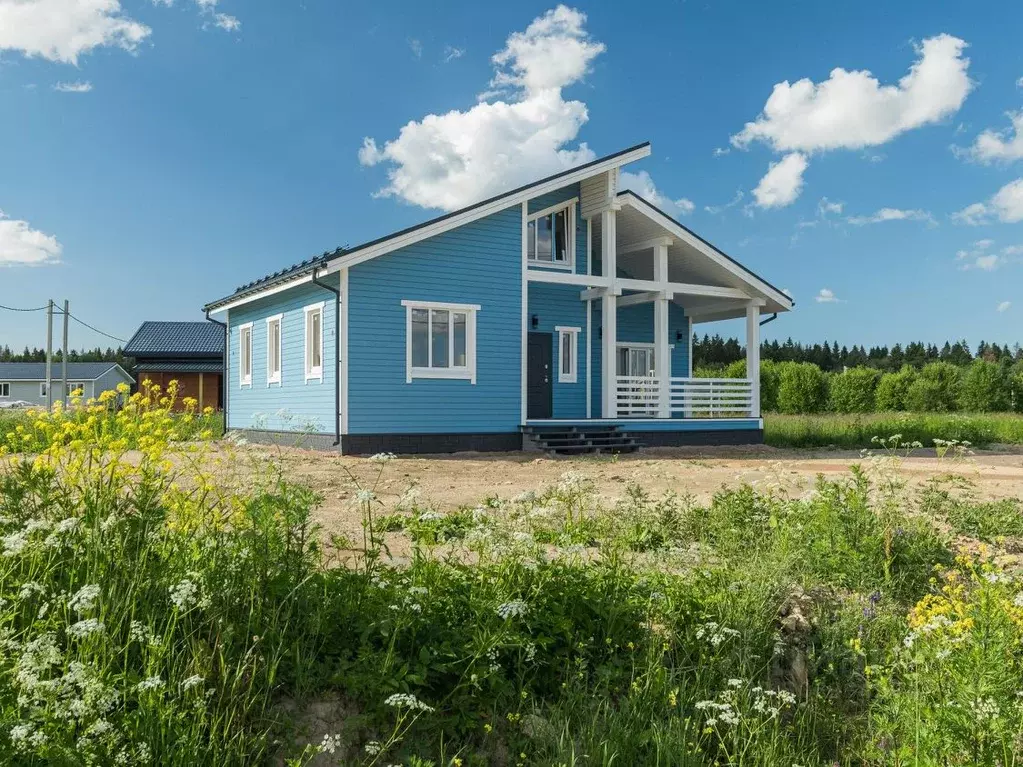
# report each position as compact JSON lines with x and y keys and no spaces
{"x":175,"y":339}
{"x":36,"y":371}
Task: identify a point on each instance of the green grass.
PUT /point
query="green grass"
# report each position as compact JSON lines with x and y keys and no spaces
{"x":856,"y":431}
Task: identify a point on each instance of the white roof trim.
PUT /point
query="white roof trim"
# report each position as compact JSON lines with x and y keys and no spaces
{"x":708,"y":250}
{"x":483,"y":211}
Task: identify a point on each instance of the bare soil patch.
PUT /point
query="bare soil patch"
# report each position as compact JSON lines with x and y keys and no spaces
{"x":446,"y":483}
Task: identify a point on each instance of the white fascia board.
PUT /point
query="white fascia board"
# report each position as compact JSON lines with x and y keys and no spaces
{"x":710,"y":252}
{"x":264,"y":293}
{"x":559,"y":278}
{"x":683,"y":288}
{"x":483,"y":211}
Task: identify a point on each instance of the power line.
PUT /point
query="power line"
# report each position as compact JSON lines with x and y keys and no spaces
{"x":18,"y":309}
{"x":95,"y":330}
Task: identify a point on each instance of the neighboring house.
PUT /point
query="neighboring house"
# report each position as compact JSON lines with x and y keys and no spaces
{"x":192,"y":353}
{"x":26,"y":381}
{"x":560,"y":313}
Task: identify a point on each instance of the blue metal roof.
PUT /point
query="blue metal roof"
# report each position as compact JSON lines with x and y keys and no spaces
{"x":36,"y":371}
{"x":176,"y":339}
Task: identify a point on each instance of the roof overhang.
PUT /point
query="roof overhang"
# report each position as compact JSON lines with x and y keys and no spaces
{"x":361,"y":253}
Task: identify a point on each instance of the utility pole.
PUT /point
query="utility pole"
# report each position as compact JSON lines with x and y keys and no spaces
{"x":63,"y":358}
{"x":49,"y":354}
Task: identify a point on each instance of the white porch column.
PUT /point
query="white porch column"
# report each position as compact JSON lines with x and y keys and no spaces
{"x":609,"y":317}
{"x":753,"y":356}
{"x":662,"y":347}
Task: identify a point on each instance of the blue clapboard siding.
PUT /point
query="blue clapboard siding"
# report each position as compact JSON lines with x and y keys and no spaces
{"x":559,"y":305}
{"x":553,"y":198}
{"x":295,"y":404}
{"x":478,"y":263}
{"x":636,"y":324}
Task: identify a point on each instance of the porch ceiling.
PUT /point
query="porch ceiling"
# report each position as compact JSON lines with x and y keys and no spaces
{"x":688,"y":262}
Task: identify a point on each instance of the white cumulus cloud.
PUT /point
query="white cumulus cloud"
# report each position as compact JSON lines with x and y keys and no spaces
{"x":63,"y":30}
{"x":826,"y":206}
{"x":521,"y":129}
{"x":644,"y":186}
{"x":853,"y":110}
{"x":999,"y":146}
{"x":892,"y":214}
{"x":21,"y":245}
{"x":826,"y":296}
{"x":1004,"y":306}
{"x":782,"y":183}
{"x":1005,"y":205}
{"x":981,"y":255}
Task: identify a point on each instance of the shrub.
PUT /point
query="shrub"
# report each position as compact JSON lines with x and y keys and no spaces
{"x":853,"y":390}
{"x":893,"y":389}
{"x":802,"y":388}
{"x":936,"y":389}
{"x":1017,"y":387}
{"x":984,"y":388}
{"x":769,"y":381}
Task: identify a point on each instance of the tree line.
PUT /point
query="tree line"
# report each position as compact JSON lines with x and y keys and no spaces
{"x":75,"y":355}
{"x":715,"y":351}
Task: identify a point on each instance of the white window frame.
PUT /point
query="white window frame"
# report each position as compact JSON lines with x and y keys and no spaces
{"x":73,"y":386}
{"x":42,"y":389}
{"x":5,"y":389}
{"x":244,"y":354}
{"x":573,"y":334}
{"x":468,"y":372}
{"x":313,"y":373}
{"x":274,"y":376}
{"x":568,"y":264}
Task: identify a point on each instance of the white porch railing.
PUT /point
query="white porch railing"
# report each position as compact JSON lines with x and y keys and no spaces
{"x":640,"y":397}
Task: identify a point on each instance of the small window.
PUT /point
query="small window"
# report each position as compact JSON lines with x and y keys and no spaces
{"x":76,"y":387}
{"x":568,"y":354}
{"x":314,"y":342}
{"x":245,"y":354}
{"x":42,"y":389}
{"x":5,"y":389}
{"x":273,"y":349}
{"x":550,"y":236}
{"x":440,"y":340}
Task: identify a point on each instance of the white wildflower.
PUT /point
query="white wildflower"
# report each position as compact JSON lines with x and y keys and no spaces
{"x":512,"y":609}
{"x":28,"y":588}
{"x":193,"y":681}
{"x":372,"y":748}
{"x":430,"y":516}
{"x":151,"y":683}
{"x":407,"y":700}
{"x":183,"y":594}
{"x":14,"y":543}
{"x":382,"y":457}
{"x":84,"y":599}
{"x":85,"y":628}
{"x":330,"y":743}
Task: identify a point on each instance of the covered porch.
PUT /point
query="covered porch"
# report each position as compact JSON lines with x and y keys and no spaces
{"x":645,"y":283}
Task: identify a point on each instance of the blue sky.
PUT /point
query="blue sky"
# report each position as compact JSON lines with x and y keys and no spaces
{"x":171,"y":150}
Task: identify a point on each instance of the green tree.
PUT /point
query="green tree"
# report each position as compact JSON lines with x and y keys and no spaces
{"x":936,"y":389}
{"x":985,"y":387}
{"x":853,"y":390}
{"x":893,"y":389}
{"x":802,"y":388}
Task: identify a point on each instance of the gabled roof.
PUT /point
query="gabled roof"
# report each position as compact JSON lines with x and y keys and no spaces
{"x":36,"y":371}
{"x":707,"y":248}
{"x":454,"y":218}
{"x":176,"y":339}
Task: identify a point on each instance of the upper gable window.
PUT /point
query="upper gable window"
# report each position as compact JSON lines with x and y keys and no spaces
{"x":550,"y":236}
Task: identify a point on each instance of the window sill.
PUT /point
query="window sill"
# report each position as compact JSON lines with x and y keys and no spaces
{"x":317,"y":377}
{"x":446,"y":373}
{"x":273,"y":382}
{"x":566,"y":267}
{"x":572,"y":379}
{"x":245,"y":384}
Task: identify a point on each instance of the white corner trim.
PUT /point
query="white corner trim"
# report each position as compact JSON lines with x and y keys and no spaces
{"x":342,"y":322}
{"x":589,"y":358}
{"x":524,"y":324}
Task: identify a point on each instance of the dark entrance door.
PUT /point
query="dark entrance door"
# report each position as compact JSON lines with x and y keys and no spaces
{"x":539,"y":388}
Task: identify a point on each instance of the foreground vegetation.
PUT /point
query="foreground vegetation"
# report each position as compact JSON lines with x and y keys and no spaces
{"x":154,"y":611}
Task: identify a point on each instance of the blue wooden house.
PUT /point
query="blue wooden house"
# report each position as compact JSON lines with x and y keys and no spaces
{"x":559,"y":314}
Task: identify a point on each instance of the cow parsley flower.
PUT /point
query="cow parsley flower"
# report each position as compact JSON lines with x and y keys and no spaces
{"x":85,"y":628}
{"x":14,"y":543}
{"x":512,"y":609}
{"x":409,"y":701}
{"x":84,"y":599}
{"x":372,"y":748}
{"x":382,"y":457}
{"x":183,"y":594}
{"x":330,"y":743}
{"x":194,"y":681}
{"x":151,"y":683}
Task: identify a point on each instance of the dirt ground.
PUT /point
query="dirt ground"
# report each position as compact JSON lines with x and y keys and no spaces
{"x":447,"y":482}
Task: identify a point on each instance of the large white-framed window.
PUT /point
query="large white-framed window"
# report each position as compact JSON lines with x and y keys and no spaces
{"x":5,"y":389}
{"x":273,"y":349}
{"x":440,"y":340}
{"x":550,"y":236}
{"x":568,"y":354}
{"x":314,"y":341}
{"x":245,"y":354}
